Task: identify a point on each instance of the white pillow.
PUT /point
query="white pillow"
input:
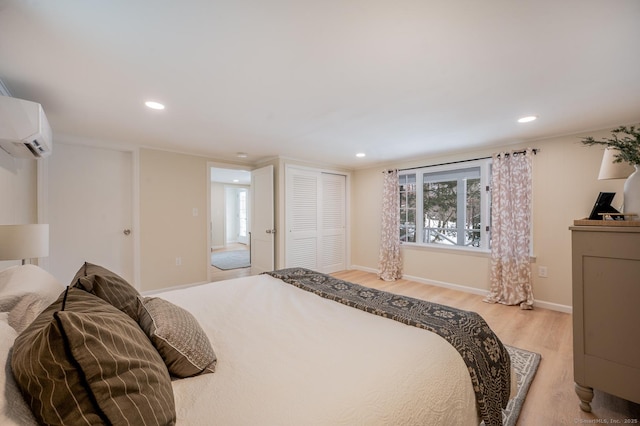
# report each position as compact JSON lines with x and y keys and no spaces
{"x":17,"y":281}
{"x":26,"y":311}
{"x":25,"y":291}
{"x":13,"y":408}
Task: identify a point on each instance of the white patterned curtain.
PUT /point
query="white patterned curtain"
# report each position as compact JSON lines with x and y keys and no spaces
{"x":511,"y":229}
{"x":389,"y":262}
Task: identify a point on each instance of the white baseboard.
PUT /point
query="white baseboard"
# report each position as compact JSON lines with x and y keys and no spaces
{"x":553,"y":306}
{"x":148,"y":293}
{"x":537,"y":303}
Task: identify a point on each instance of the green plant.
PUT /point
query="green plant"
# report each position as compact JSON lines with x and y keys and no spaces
{"x":626,"y":140}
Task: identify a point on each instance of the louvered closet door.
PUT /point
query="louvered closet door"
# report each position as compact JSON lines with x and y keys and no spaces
{"x":315,"y":214}
{"x":302,"y":218}
{"x":332,"y":242}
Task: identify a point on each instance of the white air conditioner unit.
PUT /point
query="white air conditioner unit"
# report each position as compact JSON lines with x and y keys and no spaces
{"x":24,"y":129}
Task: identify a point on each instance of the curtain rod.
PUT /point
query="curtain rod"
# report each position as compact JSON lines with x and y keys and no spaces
{"x":534,"y":151}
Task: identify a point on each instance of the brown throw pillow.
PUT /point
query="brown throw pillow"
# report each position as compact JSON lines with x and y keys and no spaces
{"x":176,"y":334}
{"x":108,"y":286}
{"x":82,"y":361}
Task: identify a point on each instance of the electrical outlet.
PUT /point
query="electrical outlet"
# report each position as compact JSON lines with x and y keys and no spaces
{"x":178,"y":261}
{"x":542,"y":272}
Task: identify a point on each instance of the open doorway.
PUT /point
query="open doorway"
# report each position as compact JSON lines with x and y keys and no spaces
{"x":229,"y":226}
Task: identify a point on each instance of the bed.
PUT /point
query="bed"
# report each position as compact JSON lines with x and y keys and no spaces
{"x":287,"y":348}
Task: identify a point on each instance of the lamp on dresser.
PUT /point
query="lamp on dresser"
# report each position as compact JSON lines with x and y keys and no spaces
{"x":611,"y":170}
{"x":621,"y":157}
{"x":22,"y":242}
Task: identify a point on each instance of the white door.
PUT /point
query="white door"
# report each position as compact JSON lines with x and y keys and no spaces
{"x":262,"y":221}
{"x":90,"y":210}
{"x":302,"y":218}
{"x":333,"y":226}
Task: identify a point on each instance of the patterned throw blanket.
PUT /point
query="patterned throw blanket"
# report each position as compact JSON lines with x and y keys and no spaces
{"x":487,"y":359}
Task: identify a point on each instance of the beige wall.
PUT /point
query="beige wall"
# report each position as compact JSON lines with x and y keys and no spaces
{"x":171,"y":187}
{"x":565,"y":186}
{"x":18,"y":193}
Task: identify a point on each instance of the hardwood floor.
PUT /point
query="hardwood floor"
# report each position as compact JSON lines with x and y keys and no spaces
{"x":551,"y":399}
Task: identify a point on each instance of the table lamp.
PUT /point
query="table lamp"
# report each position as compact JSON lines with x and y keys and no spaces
{"x":622,"y":170}
{"x":24,"y":241}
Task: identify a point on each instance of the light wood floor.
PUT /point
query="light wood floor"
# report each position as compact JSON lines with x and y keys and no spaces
{"x":551,"y":399}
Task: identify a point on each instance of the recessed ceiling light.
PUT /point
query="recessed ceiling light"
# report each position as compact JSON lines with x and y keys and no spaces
{"x":527,"y":119}
{"x":361,"y":154}
{"x":242,"y":155}
{"x":236,"y":181}
{"x":154,"y":105}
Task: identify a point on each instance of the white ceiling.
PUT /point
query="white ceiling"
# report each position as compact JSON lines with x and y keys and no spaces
{"x":233,"y":176}
{"x":323,"y":80}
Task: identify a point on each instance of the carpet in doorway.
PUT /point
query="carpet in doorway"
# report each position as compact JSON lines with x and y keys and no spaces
{"x":234,"y":259}
{"x":525,"y":364}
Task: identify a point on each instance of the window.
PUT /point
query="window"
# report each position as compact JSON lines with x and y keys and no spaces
{"x":446,"y":205}
{"x":242,"y":212}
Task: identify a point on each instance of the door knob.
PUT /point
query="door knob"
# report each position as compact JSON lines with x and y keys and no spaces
{"x":126,"y":231}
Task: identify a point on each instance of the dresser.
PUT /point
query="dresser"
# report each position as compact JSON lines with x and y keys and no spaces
{"x":606,"y":311}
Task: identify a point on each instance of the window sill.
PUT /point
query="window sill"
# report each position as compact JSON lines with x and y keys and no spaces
{"x":465,"y":251}
{"x":447,"y":249}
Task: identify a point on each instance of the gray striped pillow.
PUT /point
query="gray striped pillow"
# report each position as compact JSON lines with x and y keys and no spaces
{"x":82,"y":361}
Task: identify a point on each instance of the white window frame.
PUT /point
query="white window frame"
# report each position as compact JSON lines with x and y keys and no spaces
{"x":485,"y":202}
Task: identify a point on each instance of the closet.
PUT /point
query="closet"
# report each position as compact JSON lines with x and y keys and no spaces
{"x":315,"y":219}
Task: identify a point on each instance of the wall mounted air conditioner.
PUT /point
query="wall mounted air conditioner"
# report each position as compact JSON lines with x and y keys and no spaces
{"x":24,"y":129}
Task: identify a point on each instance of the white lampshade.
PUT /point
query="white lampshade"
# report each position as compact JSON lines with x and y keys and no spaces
{"x":24,"y":241}
{"x":611,"y":170}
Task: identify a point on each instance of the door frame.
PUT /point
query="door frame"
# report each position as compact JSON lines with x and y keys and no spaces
{"x":219,"y":165}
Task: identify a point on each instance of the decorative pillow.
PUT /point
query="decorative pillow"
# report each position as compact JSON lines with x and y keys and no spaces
{"x":108,"y":286}
{"x":13,"y":409}
{"x":176,"y":334}
{"x":82,"y":361}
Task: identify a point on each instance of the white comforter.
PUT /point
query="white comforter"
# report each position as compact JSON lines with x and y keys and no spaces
{"x":289,"y":357}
